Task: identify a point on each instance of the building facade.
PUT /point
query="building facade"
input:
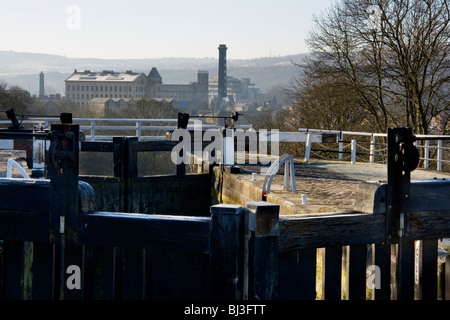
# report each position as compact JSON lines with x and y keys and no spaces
{"x":185,"y":94}
{"x":239,"y":90}
{"x":81,"y":87}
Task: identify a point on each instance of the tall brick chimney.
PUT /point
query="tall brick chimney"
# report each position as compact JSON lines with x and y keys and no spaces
{"x":222,"y":91}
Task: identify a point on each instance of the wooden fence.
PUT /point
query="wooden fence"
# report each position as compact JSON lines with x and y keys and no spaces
{"x":57,"y":245}
{"x":356,"y":260}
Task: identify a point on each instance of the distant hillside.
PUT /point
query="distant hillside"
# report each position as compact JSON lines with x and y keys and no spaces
{"x":22,"y":69}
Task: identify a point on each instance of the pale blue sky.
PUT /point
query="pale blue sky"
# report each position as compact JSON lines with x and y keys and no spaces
{"x":155,"y":29}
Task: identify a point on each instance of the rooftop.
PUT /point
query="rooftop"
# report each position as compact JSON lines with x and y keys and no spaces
{"x":105,"y":75}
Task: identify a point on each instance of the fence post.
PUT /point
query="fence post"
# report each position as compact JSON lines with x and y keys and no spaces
{"x":353,"y":152}
{"x":265,"y":249}
{"x":341,"y":146}
{"x":439,"y":155}
{"x":372,"y":149}
{"x":287,"y":169}
{"x":447,"y":278}
{"x":427,"y":154}
{"x":308,"y":147}
{"x":93,"y":130}
{"x":400,"y":164}
{"x":228,"y":147}
{"x":63,"y":173}
{"x":226,"y":259}
{"x":138,"y":130}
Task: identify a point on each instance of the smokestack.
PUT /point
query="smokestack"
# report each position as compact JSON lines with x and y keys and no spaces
{"x":222,"y":92}
{"x":41,"y":85}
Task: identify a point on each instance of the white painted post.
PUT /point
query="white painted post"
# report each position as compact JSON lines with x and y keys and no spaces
{"x":93,"y":130}
{"x":228,"y":147}
{"x":372,"y":149}
{"x":426,"y":162}
{"x":286,"y":175}
{"x":291,"y":161}
{"x":304,"y":199}
{"x":341,"y":146}
{"x":308,"y":147}
{"x":138,"y":130}
{"x":439,"y":155}
{"x":38,"y":157}
{"x":353,"y":152}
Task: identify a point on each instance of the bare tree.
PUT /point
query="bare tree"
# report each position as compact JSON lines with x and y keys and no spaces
{"x":15,"y":98}
{"x":416,"y":34}
{"x":324,"y":105}
{"x":390,"y":55}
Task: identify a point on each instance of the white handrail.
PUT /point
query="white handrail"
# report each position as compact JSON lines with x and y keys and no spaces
{"x":12,"y":163}
{"x":138,"y":127}
{"x":288,"y":161}
{"x":95,"y":124}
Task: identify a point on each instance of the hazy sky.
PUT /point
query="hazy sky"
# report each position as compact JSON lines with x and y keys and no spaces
{"x":155,"y":29}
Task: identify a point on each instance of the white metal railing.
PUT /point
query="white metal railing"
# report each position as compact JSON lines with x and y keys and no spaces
{"x":93,"y":126}
{"x":12,"y":163}
{"x":376,"y":149}
{"x":289,"y":173}
{"x":350,"y":144}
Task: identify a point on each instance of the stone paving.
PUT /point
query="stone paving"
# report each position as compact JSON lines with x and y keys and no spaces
{"x":330,"y":186}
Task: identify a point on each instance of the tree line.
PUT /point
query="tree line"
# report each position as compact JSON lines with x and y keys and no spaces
{"x":374,"y":64}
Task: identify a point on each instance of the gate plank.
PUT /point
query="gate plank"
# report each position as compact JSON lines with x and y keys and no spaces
{"x":333,"y":273}
{"x":145,"y":231}
{"x":43,"y":271}
{"x":307,"y":274}
{"x":227,"y":252}
{"x":266,"y":249}
{"x":330,"y":230}
{"x":14,"y":264}
{"x":132,"y":280}
{"x":74,"y":255}
{"x":288,"y":286}
{"x":176,"y":275}
{"x":429,"y":269}
{"x":383,"y":261}
{"x":405,"y":269}
{"x":99,"y":276}
{"x":356,"y":274}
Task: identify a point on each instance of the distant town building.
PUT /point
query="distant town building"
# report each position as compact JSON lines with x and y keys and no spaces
{"x":185,"y":94}
{"x":81,"y":87}
{"x":112,"y":89}
{"x":239,"y":90}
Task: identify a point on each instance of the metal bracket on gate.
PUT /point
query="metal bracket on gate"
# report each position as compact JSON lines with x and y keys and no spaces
{"x":403,"y":158}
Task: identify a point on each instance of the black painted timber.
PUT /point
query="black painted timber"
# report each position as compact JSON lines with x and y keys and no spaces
{"x":383,"y":261}
{"x":227,"y":253}
{"x":333,"y":273}
{"x":323,"y":230}
{"x":145,"y":231}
